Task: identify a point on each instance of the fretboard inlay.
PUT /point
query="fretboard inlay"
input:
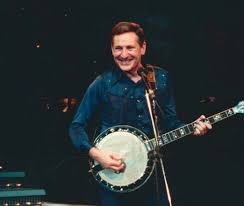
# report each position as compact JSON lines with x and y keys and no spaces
{"x":187,"y":129}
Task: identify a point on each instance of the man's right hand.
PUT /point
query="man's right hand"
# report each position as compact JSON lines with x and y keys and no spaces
{"x":107,"y":160}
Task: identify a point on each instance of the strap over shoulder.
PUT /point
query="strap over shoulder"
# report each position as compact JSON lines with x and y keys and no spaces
{"x":151,"y":79}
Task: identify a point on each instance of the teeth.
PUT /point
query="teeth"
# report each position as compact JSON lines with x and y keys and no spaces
{"x":125,"y":62}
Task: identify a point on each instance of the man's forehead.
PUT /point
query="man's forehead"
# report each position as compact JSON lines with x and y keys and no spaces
{"x":129,"y":37}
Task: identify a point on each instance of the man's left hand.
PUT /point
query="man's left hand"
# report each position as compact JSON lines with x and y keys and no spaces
{"x":201,"y":126}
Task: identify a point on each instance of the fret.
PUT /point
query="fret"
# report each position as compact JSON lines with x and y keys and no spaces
{"x":211,"y":120}
{"x":191,"y":127}
{"x":174,"y":134}
{"x":178,"y":133}
{"x":217,"y":117}
{"x":223,"y":115}
{"x":182,"y":131}
{"x":160,"y":141}
{"x":165,"y":139}
{"x":187,"y":130}
{"x":169,"y":137}
{"x":230,"y":112}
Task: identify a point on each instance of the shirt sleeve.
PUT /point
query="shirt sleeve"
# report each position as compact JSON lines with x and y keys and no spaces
{"x":90,"y":103}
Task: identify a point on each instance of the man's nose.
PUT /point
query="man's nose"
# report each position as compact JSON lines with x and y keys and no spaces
{"x":124,"y":52}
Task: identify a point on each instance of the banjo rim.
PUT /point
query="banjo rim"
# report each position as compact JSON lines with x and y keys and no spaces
{"x":149,"y":164}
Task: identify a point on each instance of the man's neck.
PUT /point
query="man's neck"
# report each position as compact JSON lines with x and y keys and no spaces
{"x":133,"y":75}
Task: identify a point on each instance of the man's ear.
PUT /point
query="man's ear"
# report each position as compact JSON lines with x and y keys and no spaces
{"x":143,"y":48}
{"x":111,"y":48}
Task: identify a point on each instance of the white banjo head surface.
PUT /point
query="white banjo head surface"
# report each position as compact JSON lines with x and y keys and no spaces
{"x":128,"y":142}
{"x":133,"y":152}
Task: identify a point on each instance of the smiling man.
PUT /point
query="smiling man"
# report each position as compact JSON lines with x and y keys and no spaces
{"x":127,"y":50}
{"x":118,"y":96}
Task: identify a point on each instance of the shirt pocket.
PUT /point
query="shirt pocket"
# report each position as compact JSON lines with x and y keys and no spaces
{"x":113,"y":109}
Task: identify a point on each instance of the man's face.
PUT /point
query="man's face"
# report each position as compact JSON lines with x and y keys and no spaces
{"x":127,"y":51}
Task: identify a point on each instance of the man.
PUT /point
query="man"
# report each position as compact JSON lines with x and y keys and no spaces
{"x":118,"y":97}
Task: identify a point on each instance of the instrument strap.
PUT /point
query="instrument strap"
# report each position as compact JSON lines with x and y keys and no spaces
{"x":151,"y":79}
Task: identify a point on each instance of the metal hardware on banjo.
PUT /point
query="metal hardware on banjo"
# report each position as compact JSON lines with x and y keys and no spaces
{"x":133,"y":146}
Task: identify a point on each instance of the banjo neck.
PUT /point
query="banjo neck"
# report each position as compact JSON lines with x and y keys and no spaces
{"x":188,"y":129}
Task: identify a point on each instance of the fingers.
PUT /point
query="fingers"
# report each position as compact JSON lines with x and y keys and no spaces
{"x":202,"y":117}
{"x":199,"y":130}
{"x":115,"y":156}
{"x":116,"y":163}
{"x":201,"y":126}
{"x":119,"y":168}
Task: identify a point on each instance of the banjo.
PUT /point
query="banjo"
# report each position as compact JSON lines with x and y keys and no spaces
{"x":133,"y":146}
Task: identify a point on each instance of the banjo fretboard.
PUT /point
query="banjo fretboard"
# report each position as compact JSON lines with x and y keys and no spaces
{"x":188,"y":129}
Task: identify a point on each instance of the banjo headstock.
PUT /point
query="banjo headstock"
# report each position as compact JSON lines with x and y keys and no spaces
{"x":239,"y":108}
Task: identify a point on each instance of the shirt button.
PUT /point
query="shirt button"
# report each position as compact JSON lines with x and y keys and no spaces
{"x":139,"y":116}
{"x":126,"y":88}
{"x":138,"y":100}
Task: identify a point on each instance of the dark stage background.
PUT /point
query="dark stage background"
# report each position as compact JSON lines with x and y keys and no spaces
{"x":52,"y":50}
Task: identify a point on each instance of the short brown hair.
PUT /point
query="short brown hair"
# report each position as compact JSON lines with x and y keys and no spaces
{"x":124,"y":27}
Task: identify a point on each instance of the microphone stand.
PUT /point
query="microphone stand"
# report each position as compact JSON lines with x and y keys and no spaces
{"x":150,"y":98}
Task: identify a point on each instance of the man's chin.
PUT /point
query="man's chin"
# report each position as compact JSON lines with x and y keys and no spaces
{"x":125,"y":67}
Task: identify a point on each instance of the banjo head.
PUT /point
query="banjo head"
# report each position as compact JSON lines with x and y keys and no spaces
{"x":128,"y":142}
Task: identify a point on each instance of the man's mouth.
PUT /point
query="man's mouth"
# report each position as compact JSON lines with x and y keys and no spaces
{"x":125,"y":61}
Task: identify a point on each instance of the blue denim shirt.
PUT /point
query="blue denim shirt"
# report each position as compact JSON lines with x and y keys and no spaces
{"x":118,"y":100}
